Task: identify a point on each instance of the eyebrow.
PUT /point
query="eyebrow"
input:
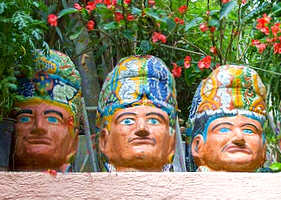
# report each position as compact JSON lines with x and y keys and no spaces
{"x":25,"y":111}
{"x":158,"y":114}
{"x":53,"y":111}
{"x":248,"y":124}
{"x":222,"y":123}
{"x":125,"y":113}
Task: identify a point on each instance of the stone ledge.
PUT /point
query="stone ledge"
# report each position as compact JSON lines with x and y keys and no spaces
{"x":140,"y":185}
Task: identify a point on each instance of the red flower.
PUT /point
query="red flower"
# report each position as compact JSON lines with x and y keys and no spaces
{"x":107,"y":2}
{"x":127,"y":2}
{"x":225,"y":1}
{"x":158,"y":36}
{"x":52,"y":19}
{"x":176,"y":71}
{"x":90,"y":25}
{"x":270,"y":40}
{"x":77,"y":6}
{"x":182,"y":9}
{"x":207,"y":12}
{"x":118,"y":16}
{"x":187,"y":60}
{"x":262,"y":22}
{"x":203,"y":27}
{"x":130,"y":17}
{"x":275,"y":29}
{"x":255,"y":42}
{"x":244,"y":1}
{"x":151,"y":2}
{"x":179,"y":20}
{"x":277,"y":48}
{"x":91,"y":5}
{"x":212,"y":29}
{"x":52,"y":172}
{"x":261,"y":47}
{"x":213,"y":50}
{"x":204,"y":63}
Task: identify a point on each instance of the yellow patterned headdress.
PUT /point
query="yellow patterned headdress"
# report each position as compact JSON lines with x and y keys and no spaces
{"x":229,"y":90}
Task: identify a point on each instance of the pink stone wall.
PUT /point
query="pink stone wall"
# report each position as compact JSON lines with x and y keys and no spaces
{"x":137,"y":186}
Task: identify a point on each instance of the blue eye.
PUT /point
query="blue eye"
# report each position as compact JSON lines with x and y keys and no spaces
{"x":224,"y":130}
{"x":127,"y":121}
{"x":248,"y":131}
{"x":52,"y":120}
{"x":153,"y":121}
{"x":24,"y":119}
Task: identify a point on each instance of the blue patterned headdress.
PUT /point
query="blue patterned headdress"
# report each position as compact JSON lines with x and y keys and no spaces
{"x":137,"y":80}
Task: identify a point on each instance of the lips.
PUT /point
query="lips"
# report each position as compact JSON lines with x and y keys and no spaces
{"x":142,"y":140}
{"x":234,"y":148}
{"x":38,"y":140}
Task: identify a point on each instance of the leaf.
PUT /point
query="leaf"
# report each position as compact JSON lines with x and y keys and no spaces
{"x":64,"y":4}
{"x":59,"y":33}
{"x":76,"y":35}
{"x":276,"y":167}
{"x":193,"y":23}
{"x":12,"y":86}
{"x":136,"y":11}
{"x":214,"y":22}
{"x":2,"y":7}
{"x":226,"y":9}
{"x":150,"y":12}
{"x":110,"y":26}
{"x":276,"y":9}
{"x":145,"y":46}
{"x":67,"y":11}
{"x":171,"y":25}
{"x":128,"y":34}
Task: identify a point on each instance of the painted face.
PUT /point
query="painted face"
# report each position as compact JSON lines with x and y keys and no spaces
{"x":232,"y":144}
{"x":45,"y":137}
{"x":138,"y":139}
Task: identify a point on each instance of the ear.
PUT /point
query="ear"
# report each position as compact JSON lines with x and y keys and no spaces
{"x":73,"y":146}
{"x":103,"y":138}
{"x":197,"y":149}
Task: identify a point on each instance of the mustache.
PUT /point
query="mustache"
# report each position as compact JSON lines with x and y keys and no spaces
{"x":38,"y":139}
{"x":231,"y":145}
{"x":131,"y":139}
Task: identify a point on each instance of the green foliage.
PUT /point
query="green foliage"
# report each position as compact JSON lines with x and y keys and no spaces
{"x":20,"y":34}
{"x":231,"y":27}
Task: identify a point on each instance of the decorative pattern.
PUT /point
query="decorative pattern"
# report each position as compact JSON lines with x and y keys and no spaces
{"x":137,"y":80}
{"x":230,"y":89}
{"x":56,"y":81}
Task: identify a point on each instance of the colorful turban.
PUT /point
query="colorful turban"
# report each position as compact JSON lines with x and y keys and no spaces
{"x":56,"y":81}
{"x":229,"y":90}
{"x":137,"y":80}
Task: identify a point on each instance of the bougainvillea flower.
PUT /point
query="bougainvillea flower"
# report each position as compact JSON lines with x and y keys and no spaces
{"x":176,"y":71}
{"x":182,"y":9}
{"x":179,"y":20}
{"x":158,"y":36}
{"x":212,"y":29}
{"x":118,"y":16}
{"x":263,"y":21}
{"x":203,"y":27}
{"x":91,"y":5}
{"x":244,"y":1}
{"x":270,"y":40}
{"x":261,"y":47}
{"x":213,"y":50}
{"x":275,"y":29}
{"x":151,"y":2}
{"x":90,"y":25}
{"x":205,"y":63}
{"x":265,"y":30}
{"x":127,"y":2}
{"x":52,"y":19}
{"x":77,"y":6}
{"x":277,"y":48}
{"x":187,"y":62}
{"x":255,"y":42}
{"x":130,"y":17}
{"x":225,"y":1}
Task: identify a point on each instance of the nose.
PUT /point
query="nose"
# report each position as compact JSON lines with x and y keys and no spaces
{"x":142,"y":130}
{"x":39,"y":125}
{"x":238,"y":137}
